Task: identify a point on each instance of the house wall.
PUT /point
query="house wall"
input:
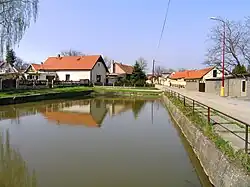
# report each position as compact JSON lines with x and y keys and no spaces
{"x":178,"y":82}
{"x":74,"y":75}
{"x":233,"y":87}
{"x":209,"y":75}
{"x":192,"y":85}
{"x":118,"y":70}
{"x":99,"y":69}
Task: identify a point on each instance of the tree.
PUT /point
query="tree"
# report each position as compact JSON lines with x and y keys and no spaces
{"x":107,"y":62}
{"x":138,"y":75}
{"x":10,"y":56}
{"x":20,"y":64}
{"x":158,"y":72}
{"x":182,"y":69}
{"x":237,"y":45}
{"x":72,"y":52}
{"x":239,"y":69}
{"x":15,"y":18}
{"x":142,"y":63}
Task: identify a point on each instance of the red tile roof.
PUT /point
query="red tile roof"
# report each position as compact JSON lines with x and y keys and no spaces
{"x":191,"y":74}
{"x":179,"y":75}
{"x":198,"y":74}
{"x":71,"y":63}
{"x":36,"y":67}
{"x":126,"y":68}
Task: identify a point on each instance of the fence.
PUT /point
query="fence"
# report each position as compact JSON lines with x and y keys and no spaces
{"x":214,"y":117}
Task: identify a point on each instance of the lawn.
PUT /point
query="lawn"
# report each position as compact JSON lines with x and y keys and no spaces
{"x":14,"y":93}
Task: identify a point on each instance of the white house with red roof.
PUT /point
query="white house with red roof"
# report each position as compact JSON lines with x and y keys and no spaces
{"x":70,"y":68}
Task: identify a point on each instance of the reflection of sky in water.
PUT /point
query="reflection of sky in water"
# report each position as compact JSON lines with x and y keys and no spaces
{"x":127,"y":150}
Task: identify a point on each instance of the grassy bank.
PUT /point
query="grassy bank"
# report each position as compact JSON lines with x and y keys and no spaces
{"x":15,"y":93}
{"x":127,"y":89}
{"x":238,"y":157}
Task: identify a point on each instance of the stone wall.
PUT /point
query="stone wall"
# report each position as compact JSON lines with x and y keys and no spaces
{"x":192,"y":85}
{"x":232,"y":87}
{"x":216,"y":165}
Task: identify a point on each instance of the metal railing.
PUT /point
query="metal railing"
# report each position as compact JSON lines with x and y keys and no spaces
{"x":209,"y":112}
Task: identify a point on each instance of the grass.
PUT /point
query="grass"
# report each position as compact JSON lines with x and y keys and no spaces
{"x":14,"y":172}
{"x":207,"y":129}
{"x":15,"y":93}
{"x":127,"y":89}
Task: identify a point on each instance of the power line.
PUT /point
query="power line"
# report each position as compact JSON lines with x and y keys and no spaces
{"x":162,"y":31}
{"x":164,"y":23}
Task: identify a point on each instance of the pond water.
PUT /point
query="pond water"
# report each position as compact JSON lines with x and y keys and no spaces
{"x":101,"y":142}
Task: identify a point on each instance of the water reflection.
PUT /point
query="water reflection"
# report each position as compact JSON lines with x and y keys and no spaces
{"x":88,"y":112}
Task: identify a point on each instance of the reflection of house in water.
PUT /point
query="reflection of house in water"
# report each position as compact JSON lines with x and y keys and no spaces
{"x":86,"y":112}
{"x":116,"y":107}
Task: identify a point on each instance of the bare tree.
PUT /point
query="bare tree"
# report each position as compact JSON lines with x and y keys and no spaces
{"x":158,"y":72}
{"x":72,"y":52}
{"x":142,"y":63}
{"x":15,"y":18}
{"x":20,"y":64}
{"x":107,"y":61}
{"x":182,"y":69}
{"x":237,"y":44}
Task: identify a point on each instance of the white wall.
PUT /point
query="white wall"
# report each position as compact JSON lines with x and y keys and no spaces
{"x":209,"y":75}
{"x":74,"y":75}
{"x":99,"y":69}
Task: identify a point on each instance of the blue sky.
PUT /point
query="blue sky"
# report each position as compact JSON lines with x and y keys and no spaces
{"x":125,"y":30}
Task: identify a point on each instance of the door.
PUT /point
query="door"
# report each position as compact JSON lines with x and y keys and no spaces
{"x":201,"y":87}
{"x":243,"y":88}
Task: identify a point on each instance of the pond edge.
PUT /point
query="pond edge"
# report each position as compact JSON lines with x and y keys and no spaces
{"x":219,"y":169}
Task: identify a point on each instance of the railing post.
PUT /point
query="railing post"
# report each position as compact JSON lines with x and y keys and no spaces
{"x":208,"y":115}
{"x":246,"y":140}
{"x":193,"y":107}
{"x":184,"y":100}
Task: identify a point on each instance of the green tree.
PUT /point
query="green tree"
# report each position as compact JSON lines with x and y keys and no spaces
{"x":10,"y":56}
{"x":138,"y":76}
{"x":239,"y":69}
{"x":15,"y":18}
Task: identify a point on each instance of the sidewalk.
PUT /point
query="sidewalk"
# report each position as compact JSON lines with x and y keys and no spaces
{"x":238,"y":109}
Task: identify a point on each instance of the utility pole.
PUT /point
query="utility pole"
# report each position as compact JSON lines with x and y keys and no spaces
{"x":153,"y":69}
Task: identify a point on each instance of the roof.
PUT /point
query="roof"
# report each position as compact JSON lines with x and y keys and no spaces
{"x":126,"y":68}
{"x":71,"y":118}
{"x":191,"y":74}
{"x":72,"y":63}
{"x":179,"y":75}
{"x":36,"y":67}
{"x":198,"y":74}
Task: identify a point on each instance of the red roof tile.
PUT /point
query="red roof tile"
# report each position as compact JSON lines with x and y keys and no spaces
{"x":126,"y":68}
{"x":198,"y":74}
{"x":191,"y":74}
{"x":36,"y":67}
{"x":71,"y":62}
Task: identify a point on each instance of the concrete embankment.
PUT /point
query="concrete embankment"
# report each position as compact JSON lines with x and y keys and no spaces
{"x":221,"y":171}
{"x":40,"y":97}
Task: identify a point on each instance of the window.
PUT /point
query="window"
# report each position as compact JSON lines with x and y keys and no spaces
{"x":37,"y":77}
{"x":243,"y":87}
{"x":29,"y":77}
{"x":215,"y":73}
{"x":98,"y":78}
{"x":98,"y":64}
{"x":67,"y":77}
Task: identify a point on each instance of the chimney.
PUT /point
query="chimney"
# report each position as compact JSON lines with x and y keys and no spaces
{"x":58,"y":56}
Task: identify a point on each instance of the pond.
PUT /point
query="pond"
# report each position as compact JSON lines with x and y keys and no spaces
{"x":101,"y":142}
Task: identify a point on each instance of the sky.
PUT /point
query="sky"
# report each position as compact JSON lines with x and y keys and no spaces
{"x":125,"y":30}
